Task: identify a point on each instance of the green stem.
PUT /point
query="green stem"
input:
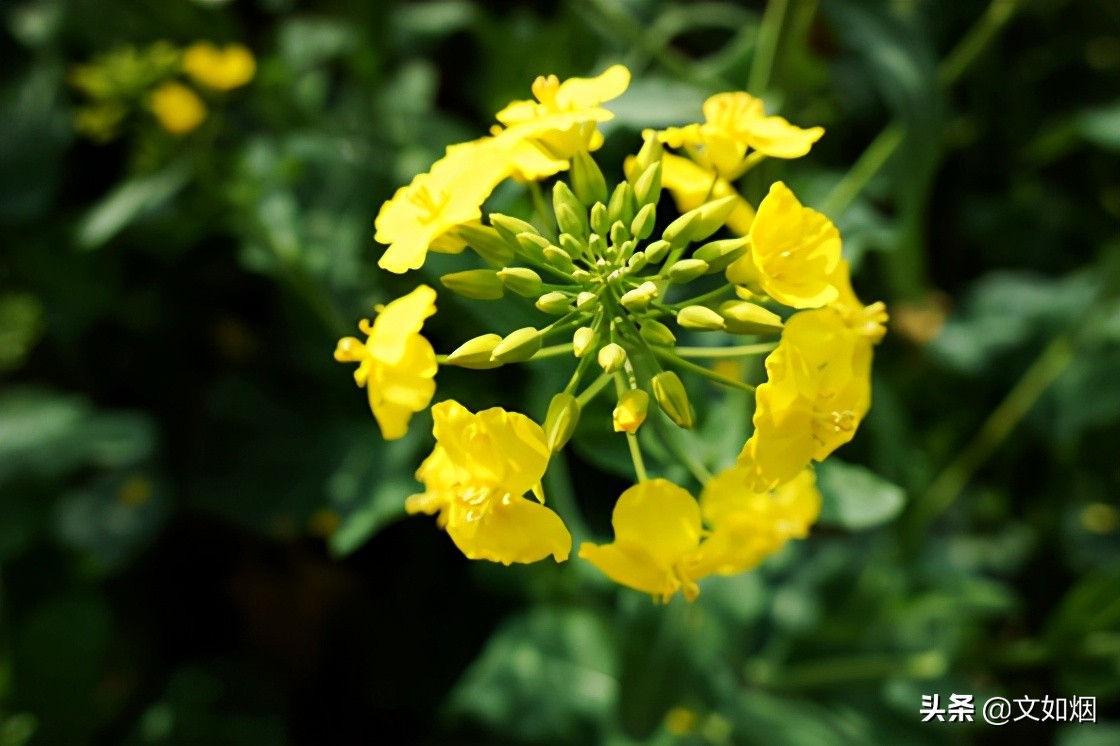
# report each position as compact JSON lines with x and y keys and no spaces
{"x":553,"y":351}
{"x":709,"y":296}
{"x":631,"y":439}
{"x":766,"y":46}
{"x":593,"y":390}
{"x":997,"y":15}
{"x":716,"y":352}
{"x":672,"y":443}
{"x":669,"y":357}
{"x":951,"y":481}
{"x":874,"y":158}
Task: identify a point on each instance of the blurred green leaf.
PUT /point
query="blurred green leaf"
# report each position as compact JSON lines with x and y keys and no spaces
{"x":21,"y":322}
{"x":547,"y":675}
{"x":1101,"y":126}
{"x":855,"y":498}
{"x":129,"y":202}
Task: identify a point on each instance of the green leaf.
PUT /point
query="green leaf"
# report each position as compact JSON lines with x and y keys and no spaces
{"x":1101,"y":126}
{"x":132,"y":200}
{"x":855,"y":498}
{"x":548,"y":675}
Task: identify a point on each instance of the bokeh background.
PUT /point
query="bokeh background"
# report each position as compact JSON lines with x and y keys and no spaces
{"x":201,"y":532}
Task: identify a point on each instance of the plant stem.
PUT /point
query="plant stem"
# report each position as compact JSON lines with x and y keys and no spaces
{"x":669,"y":357}
{"x":709,"y":296}
{"x":672,"y":443}
{"x":716,"y":352}
{"x":999,"y":12}
{"x":592,"y":391}
{"x":874,"y":158}
{"x":553,"y":351}
{"x":766,"y":46}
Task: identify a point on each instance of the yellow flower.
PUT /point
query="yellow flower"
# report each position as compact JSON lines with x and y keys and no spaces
{"x":220,"y":69}
{"x":417,"y":217}
{"x":793,"y":252}
{"x":540,"y":136}
{"x":476,"y":478}
{"x":818,"y":389}
{"x":396,"y":364}
{"x":692,"y":186}
{"x":867,"y":321}
{"x":749,"y":526}
{"x":656,"y":529}
{"x":178,"y":108}
{"x":631,"y":411}
{"x":736,"y":123}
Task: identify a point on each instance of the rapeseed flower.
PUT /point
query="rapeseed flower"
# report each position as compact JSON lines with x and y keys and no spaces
{"x":178,"y":108}
{"x":219,"y":69}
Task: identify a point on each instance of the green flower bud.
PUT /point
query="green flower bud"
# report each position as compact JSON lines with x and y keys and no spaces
{"x":700,"y":318}
{"x":558,"y":258}
{"x":656,"y":333}
{"x":561,"y":421}
{"x":571,"y":214}
{"x":532,"y":245}
{"x":711,"y":217}
{"x":581,"y":275}
{"x":479,"y":284}
{"x":676,"y":233}
{"x":657,"y":251}
{"x":650,"y":154}
{"x":584,"y":298}
{"x":597,"y":245}
{"x":619,"y":233}
{"x":517,"y":346}
{"x":555,"y":303}
{"x":611,"y":357}
{"x":571,"y":245}
{"x":476,"y":353}
{"x":687,"y":270}
{"x":621,"y":206}
{"x":743,"y":317}
{"x":637,"y":261}
{"x":584,"y":340}
{"x":643,"y":221}
{"x":486,"y":242}
{"x":672,"y":398}
{"x":521,"y":280}
{"x":509,"y":227}
{"x":647,"y":187}
{"x":587,"y":180}
{"x":720,"y":254}
{"x":640,"y":297}
{"x":599,"y":221}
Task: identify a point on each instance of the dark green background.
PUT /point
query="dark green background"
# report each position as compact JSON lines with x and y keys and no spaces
{"x":168,"y":310}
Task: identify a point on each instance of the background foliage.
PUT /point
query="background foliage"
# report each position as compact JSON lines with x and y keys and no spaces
{"x":199,"y":534}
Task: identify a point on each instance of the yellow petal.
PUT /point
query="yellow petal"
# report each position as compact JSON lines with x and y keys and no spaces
{"x":400,"y":321}
{"x":220,"y":69}
{"x":515,"y":530}
{"x":690,"y":184}
{"x":178,"y":108}
{"x":777,"y":138}
{"x":660,"y":516}
{"x":588,"y":92}
{"x":794,"y":249}
{"x":630,"y":565}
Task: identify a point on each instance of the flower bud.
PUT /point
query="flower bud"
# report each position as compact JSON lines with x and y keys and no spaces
{"x":508,"y":227}
{"x":581,"y":276}
{"x":599,"y":222}
{"x":647,"y":187}
{"x":532,"y":245}
{"x":720,"y":254}
{"x":476,"y":353}
{"x":611,"y":357}
{"x":621,"y":206}
{"x":596,"y":245}
{"x":558,"y":258}
{"x":656,"y":333}
{"x":650,"y":153}
{"x":700,"y":318}
{"x":587,"y":180}
{"x":486,"y":242}
{"x":619,"y":233}
{"x":631,"y":411}
{"x":561,"y":420}
{"x":657,"y":251}
{"x":743,"y":317}
{"x":676,"y":233}
{"x":687,"y":270}
{"x":743,"y":271}
{"x":517,"y":346}
{"x":637,"y":261}
{"x":521,"y":280}
{"x":711,"y":217}
{"x":672,"y":398}
{"x":555,"y":303}
{"x":640,"y":297}
{"x":584,"y":298}
{"x":571,"y":214}
{"x":583,"y":341}
{"x":571,"y":245}
{"x":643,"y":222}
{"x":479,"y":284}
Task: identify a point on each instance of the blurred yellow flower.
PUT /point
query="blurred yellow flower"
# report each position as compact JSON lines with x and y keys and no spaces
{"x":656,"y":529}
{"x":793,"y":252}
{"x":818,"y":389}
{"x":396,"y":364}
{"x":631,"y":411}
{"x":449,"y":195}
{"x":749,"y":526}
{"x":579,"y":98}
{"x":219,"y":69}
{"x":736,"y":123}
{"x":178,"y":108}
{"x":475,"y":481}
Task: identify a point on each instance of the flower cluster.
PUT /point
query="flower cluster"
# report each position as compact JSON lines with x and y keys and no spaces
{"x":152,"y":79}
{"x":622,"y":280}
